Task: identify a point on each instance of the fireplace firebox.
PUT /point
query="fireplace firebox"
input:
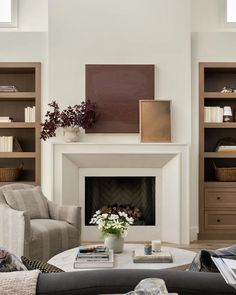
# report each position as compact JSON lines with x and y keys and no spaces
{"x":132,"y":194}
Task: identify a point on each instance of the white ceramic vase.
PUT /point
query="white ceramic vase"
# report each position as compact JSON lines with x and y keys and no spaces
{"x":114,"y":243}
{"x":71,"y":134}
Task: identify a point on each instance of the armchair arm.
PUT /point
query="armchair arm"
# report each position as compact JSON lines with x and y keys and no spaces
{"x":70,"y":214}
{"x":15,"y":230}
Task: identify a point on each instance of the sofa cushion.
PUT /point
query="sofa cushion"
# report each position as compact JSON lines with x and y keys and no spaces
{"x":42,"y":266}
{"x":50,"y":237}
{"x":30,"y":200}
{"x":10,"y":262}
{"x":12,"y":186}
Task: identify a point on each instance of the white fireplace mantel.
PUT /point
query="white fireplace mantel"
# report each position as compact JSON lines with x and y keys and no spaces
{"x":171,"y":158}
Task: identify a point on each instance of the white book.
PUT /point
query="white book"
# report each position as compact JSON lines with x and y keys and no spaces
{"x":33,"y":116}
{"x":1,"y":144}
{"x":96,"y":264}
{"x":26,"y":115}
{"x":10,"y":144}
{"x":207,"y":114}
{"x":227,"y":268}
{"x":221,"y":114}
{"x":30,"y":114}
{"x":4,"y":144}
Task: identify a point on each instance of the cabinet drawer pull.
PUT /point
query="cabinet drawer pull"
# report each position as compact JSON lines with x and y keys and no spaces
{"x":218,"y":220}
{"x":218,"y":198}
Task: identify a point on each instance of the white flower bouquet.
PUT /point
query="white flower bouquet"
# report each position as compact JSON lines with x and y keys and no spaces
{"x":112,"y":223}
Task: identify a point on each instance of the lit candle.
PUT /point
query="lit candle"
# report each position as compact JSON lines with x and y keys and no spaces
{"x":156,"y":246}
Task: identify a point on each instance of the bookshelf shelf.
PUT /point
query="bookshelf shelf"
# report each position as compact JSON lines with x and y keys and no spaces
{"x":219,"y":95}
{"x":17,"y":96}
{"x":220,"y":155}
{"x":17,"y":155}
{"x":17,"y":125}
{"x":220,"y":125}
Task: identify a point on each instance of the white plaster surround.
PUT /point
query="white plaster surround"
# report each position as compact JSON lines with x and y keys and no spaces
{"x":168,"y":162}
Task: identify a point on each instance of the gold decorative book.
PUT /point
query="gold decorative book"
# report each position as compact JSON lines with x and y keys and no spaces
{"x":157,"y":257}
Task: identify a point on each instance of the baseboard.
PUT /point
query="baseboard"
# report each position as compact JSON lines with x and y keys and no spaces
{"x":194,"y":233}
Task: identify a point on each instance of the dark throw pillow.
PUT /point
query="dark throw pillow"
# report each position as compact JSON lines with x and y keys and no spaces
{"x":42,"y":266}
{"x":10,"y":262}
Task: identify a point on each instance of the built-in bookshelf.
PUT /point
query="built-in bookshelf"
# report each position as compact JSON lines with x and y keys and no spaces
{"x":217,"y":199}
{"x":26,"y":78}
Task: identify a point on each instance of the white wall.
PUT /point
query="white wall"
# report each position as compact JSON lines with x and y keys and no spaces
{"x":209,"y":16}
{"x":136,"y":32}
{"x":32,"y":16}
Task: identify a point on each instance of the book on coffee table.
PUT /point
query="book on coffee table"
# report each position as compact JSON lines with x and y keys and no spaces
{"x":89,"y":262}
{"x":155,"y":257}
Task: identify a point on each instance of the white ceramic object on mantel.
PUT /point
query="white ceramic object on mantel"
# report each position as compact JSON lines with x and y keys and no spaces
{"x":114,"y":243}
{"x":71,"y":134}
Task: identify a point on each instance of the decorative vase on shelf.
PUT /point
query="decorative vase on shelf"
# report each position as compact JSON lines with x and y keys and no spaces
{"x":71,"y":134}
{"x":114,"y":243}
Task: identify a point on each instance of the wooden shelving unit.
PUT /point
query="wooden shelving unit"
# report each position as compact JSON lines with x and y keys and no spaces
{"x":26,"y":77}
{"x":217,"y":200}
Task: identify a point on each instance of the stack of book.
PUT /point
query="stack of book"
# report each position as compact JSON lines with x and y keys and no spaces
{"x":155,"y":257}
{"x":213,"y":114}
{"x":227,"y":268}
{"x":94,"y":257}
{"x":5,"y":119}
{"x":8,"y":88}
{"x":30,"y":114}
{"x":6,"y":143}
{"x":226,"y":148}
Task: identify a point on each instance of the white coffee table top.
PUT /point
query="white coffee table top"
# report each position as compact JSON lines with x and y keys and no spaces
{"x":65,"y":260}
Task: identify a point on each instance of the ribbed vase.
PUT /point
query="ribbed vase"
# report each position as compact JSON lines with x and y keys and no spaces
{"x":71,"y":134}
{"x":114,"y":243}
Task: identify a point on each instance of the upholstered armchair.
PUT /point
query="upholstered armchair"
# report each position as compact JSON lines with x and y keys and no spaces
{"x":35,"y":227}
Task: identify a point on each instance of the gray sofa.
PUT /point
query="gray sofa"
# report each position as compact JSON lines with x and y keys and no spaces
{"x":121,"y":281}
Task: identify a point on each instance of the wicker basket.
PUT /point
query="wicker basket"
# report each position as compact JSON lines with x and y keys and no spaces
{"x":10,"y":174}
{"x":225,"y":174}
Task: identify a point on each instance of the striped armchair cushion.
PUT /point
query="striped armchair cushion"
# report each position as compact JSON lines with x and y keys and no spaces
{"x":30,"y":200}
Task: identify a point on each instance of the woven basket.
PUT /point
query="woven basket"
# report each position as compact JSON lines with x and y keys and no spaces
{"x":10,"y":174}
{"x":225,"y":174}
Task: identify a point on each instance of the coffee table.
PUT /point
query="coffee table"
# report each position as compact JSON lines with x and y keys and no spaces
{"x":65,"y":260}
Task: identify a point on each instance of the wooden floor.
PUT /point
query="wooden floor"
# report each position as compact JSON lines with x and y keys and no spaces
{"x":199,"y":245}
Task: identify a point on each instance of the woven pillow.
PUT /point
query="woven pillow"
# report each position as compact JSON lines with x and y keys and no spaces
{"x":42,"y":266}
{"x":30,"y":200}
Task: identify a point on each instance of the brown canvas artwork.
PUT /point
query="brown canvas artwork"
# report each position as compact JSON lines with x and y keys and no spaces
{"x":155,"y":120}
{"x":117,"y":89}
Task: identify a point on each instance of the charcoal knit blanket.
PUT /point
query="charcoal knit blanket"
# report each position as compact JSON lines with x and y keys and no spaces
{"x":203,"y":262}
{"x":18,"y":282}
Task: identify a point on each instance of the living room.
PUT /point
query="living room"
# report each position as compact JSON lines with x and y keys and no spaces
{"x":179,"y":54}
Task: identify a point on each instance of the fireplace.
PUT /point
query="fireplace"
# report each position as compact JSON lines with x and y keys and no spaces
{"x":167,"y":163}
{"x":133,"y":194}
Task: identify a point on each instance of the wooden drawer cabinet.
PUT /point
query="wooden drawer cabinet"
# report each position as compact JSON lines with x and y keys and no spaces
{"x":220,"y":197}
{"x":220,"y":220}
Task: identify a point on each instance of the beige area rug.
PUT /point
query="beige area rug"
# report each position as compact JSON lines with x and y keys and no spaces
{"x":19,"y":282}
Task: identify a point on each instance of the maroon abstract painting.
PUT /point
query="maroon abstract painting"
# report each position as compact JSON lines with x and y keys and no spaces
{"x":117,"y":89}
